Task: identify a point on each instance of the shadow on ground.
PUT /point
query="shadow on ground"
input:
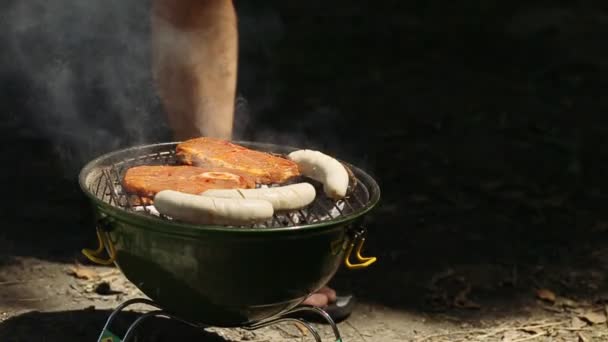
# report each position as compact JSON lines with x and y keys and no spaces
{"x":86,"y":325}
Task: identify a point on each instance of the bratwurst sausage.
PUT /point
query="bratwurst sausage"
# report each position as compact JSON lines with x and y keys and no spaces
{"x":208,"y":210}
{"x":324,"y":169}
{"x":288,"y":197}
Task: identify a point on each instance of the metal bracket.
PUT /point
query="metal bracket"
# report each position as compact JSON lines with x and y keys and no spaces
{"x":104,"y":225}
{"x":358,"y":241}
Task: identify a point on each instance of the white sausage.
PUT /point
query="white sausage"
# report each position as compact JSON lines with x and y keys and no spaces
{"x":288,"y":197}
{"x":324,"y":169}
{"x":207,"y":210}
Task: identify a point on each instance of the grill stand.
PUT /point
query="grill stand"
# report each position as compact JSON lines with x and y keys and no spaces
{"x":107,"y":336}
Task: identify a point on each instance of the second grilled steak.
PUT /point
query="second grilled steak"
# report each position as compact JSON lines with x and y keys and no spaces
{"x":146,"y":181}
{"x":216,"y":153}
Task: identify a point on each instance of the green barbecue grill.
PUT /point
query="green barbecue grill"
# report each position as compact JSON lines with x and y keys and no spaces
{"x":247,"y":277}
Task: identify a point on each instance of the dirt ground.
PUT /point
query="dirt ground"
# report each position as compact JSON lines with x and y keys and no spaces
{"x":47,"y":301}
{"x":484,"y":125}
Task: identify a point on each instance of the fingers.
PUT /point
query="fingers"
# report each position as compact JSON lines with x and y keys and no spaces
{"x":329,"y":292}
{"x":318,"y":300}
{"x":321,"y":298}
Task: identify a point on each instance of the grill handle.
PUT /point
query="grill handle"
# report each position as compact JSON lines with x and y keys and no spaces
{"x":103,"y":226}
{"x":358,"y":241}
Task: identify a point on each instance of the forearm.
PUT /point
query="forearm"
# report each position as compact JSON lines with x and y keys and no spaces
{"x":194,"y":50}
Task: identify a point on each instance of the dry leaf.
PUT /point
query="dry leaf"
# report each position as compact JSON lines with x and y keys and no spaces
{"x":82,"y":272}
{"x":568,"y":303}
{"x":466,"y":303}
{"x":577,"y":323}
{"x":462,"y":300}
{"x":582,"y":337}
{"x":510,"y":336}
{"x":533,"y":331}
{"x":441,"y":276}
{"x":594,"y":317}
{"x":546,"y":295}
{"x":302,"y":328}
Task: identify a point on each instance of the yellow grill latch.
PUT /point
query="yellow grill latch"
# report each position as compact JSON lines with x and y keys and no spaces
{"x":363,"y":262}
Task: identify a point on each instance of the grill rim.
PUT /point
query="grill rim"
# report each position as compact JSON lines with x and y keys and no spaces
{"x":173,"y":227}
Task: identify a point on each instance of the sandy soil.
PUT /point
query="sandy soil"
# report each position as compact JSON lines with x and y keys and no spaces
{"x":47,"y":301}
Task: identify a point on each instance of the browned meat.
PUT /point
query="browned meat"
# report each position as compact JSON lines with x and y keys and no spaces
{"x":146,"y":181}
{"x":212,"y":153}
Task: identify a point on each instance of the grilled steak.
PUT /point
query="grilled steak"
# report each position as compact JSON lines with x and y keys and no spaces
{"x":212,"y":153}
{"x":146,"y":181}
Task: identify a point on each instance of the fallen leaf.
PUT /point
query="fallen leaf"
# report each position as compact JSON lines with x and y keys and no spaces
{"x":440,"y":276}
{"x":302,"y":328}
{"x":112,"y":272}
{"x":510,"y":336}
{"x":533,"y":331}
{"x":568,"y":303}
{"x":470,"y":305}
{"x":553,"y":309}
{"x":578,"y":311}
{"x":462,"y":300}
{"x":582,"y":337}
{"x":577,"y":323}
{"x":546,"y":295}
{"x":594,"y":317}
{"x":82,"y":272}
{"x":465,"y":303}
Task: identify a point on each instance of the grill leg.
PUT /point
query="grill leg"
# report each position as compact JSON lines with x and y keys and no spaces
{"x":139,"y":321}
{"x":287,"y":317}
{"x":106,"y":335}
{"x":130,"y":331}
{"x":307,"y":325}
{"x":120,"y":308}
{"x":321,"y":313}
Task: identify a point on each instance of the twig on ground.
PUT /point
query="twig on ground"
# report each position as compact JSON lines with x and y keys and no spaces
{"x":303,"y":330}
{"x":28,"y":299}
{"x":574,"y":329}
{"x":528,"y":338}
{"x":8,"y":283}
{"x":288,"y":333}
{"x":491,"y":332}
{"x":356,"y":330}
{"x":523,"y":327}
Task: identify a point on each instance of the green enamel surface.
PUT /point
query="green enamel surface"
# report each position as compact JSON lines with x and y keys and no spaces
{"x":227,"y":279}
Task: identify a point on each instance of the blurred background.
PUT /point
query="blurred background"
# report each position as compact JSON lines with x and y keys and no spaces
{"x":484,"y":123}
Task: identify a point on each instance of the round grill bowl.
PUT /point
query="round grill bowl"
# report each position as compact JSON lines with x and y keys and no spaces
{"x":216,"y":275}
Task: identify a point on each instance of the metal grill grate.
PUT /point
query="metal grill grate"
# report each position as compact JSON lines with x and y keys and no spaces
{"x":106,"y":185}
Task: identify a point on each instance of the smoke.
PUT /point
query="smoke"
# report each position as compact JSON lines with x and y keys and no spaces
{"x":266,"y":109}
{"x":85,"y":69}
{"x":261,"y":30}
